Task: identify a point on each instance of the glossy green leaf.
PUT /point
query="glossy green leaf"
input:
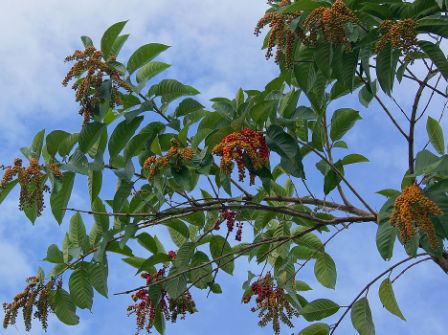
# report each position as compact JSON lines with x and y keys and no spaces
{"x":89,"y":135}
{"x":353,"y":158}
{"x":150,"y":70}
{"x":386,"y":62}
{"x":122,"y":134}
{"x":218,"y":247}
{"x":4,"y":191}
{"x":362,"y":317}
{"x":385,"y":240}
{"x":54,"y":255}
{"x":110,"y":36}
{"x":316,"y":329}
{"x":184,"y":255}
{"x":98,"y":277}
{"x":342,"y":121}
{"x":77,"y":230}
{"x":387,"y":298}
{"x":319,"y":309}
{"x":435,"y":134}
{"x":80,"y":288}
{"x":60,"y":196}
{"x":143,"y":55}
{"x":325,"y":270}
{"x":437,"y":56}
{"x":63,"y":306}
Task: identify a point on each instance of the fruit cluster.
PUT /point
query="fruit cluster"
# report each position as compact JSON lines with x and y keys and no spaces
{"x":330,"y":22}
{"x":401,"y":35}
{"x":154,"y":164}
{"x":92,"y":62}
{"x":31,"y":180}
{"x":229,"y":216}
{"x":281,"y":35}
{"x":146,"y":309}
{"x":272,"y":304}
{"x":413,"y":209}
{"x":236,"y":145}
{"x":35,"y":295}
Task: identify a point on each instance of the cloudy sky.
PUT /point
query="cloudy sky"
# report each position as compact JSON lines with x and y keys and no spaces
{"x":213,"y":49}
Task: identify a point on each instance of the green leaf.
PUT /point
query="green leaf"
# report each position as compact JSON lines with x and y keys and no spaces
{"x":437,"y":56}
{"x":95,"y":181}
{"x":184,"y":255}
{"x":147,"y":242}
{"x":62,"y":304}
{"x":54,"y":255}
{"x":89,"y":135}
{"x":86,"y":41}
{"x":144,"y":138}
{"x":159,"y":322}
{"x":54,"y":140}
{"x":150,"y":70}
{"x":4,"y":191}
{"x":60,"y":196}
{"x":77,"y":230}
{"x":385,"y":240}
{"x":362,"y":317}
{"x":170,"y":89}
{"x":149,"y":263}
{"x":36,"y":146}
{"x":122,"y":134}
{"x":80,"y":288}
{"x":176,"y":286}
{"x":389,"y":192}
{"x":387,"y":298}
{"x":316,"y":329}
{"x":123,"y":192}
{"x":188,"y":106}
{"x":98,"y":277}
{"x":202,"y":276}
{"x":116,"y":47}
{"x":325,"y":270}
{"x":101,"y":222}
{"x":110,"y":36}
{"x":353,"y":158}
{"x":319,"y":309}
{"x":342,"y":121}
{"x":435,"y":134}
{"x":386,"y":62}
{"x":218,"y":247}
{"x":143,"y":55}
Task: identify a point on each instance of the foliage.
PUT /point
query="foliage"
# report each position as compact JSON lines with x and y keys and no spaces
{"x":162,"y":147}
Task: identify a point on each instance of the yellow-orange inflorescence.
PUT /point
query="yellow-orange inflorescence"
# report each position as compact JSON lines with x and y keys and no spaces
{"x":31,"y":181}
{"x":154,"y":164}
{"x":34,"y":296}
{"x":281,"y":35}
{"x":234,"y":146}
{"x":330,"y":21}
{"x":272,"y":304}
{"x":91,"y":62}
{"x":412,"y":209}
{"x":401,"y":35}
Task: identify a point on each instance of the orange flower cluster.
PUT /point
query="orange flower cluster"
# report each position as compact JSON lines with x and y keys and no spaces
{"x":35,"y":294}
{"x":145,"y":310}
{"x":331,"y":22}
{"x":154,"y":164}
{"x":31,"y":181}
{"x":235,"y":145}
{"x":413,"y":209}
{"x":272,"y":305}
{"x":281,"y":34}
{"x":88,"y":87}
{"x":401,"y":35}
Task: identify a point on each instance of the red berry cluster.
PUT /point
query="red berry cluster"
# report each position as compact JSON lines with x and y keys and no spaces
{"x":172,"y":254}
{"x":145,"y":309}
{"x":272,"y":303}
{"x":229,"y":216}
{"x":236,"y":145}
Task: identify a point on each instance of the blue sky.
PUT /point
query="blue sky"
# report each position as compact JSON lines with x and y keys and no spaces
{"x":213,"y":49}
